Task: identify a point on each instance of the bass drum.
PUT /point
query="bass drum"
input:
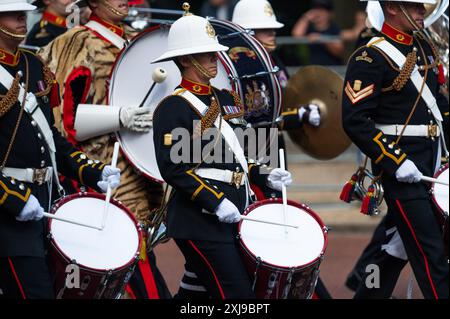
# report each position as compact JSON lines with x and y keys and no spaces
{"x":131,"y":79}
{"x":254,"y":78}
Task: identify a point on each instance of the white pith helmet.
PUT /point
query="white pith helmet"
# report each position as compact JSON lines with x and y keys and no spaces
{"x":375,"y":13}
{"x":255,"y":14}
{"x":191,"y":34}
{"x":15,"y":5}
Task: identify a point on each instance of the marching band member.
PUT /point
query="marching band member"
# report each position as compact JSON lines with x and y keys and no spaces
{"x":394,"y":112}
{"x":82,"y":59}
{"x":52,"y":23}
{"x":210,"y":194}
{"x":31,"y":151}
{"x":258,"y":15}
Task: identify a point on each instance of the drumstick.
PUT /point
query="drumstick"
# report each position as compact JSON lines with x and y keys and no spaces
{"x":433,"y":180}
{"x":109,"y":190}
{"x":159,"y":76}
{"x":243,"y":217}
{"x":70,"y":221}
{"x":283,"y":189}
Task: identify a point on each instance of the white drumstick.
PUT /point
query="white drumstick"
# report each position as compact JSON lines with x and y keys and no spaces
{"x":109,"y":190}
{"x":283,"y":189}
{"x":267,"y":222}
{"x":243,"y":217}
{"x":433,"y":180}
{"x":70,"y":221}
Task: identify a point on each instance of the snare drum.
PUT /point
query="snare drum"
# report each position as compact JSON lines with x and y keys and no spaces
{"x":440,"y":198}
{"x":89,"y":263}
{"x":131,"y":79}
{"x":283,"y":262}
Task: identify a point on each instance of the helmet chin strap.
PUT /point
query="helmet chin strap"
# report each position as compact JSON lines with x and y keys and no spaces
{"x":419,"y":30}
{"x":114,"y":10}
{"x":410,"y":19}
{"x":268,"y":46}
{"x":200,"y":67}
{"x":11,"y":34}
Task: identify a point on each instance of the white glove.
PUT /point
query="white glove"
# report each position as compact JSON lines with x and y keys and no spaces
{"x":279,"y":177}
{"x":137,"y":119}
{"x":314,"y":115}
{"x":228,"y":212}
{"x":31,"y":211}
{"x":111,"y":176}
{"x":408,"y":173}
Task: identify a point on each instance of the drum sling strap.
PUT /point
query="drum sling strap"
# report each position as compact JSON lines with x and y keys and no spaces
{"x":107,"y":34}
{"x":32,"y":108}
{"x":417,"y":80}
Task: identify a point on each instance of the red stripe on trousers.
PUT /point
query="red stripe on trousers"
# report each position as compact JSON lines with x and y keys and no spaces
{"x":210,"y":267}
{"x":420,"y":249}
{"x":149,"y":279}
{"x":16,"y":278}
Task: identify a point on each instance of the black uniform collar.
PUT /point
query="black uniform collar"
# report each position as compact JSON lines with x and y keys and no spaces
{"x":196,"y":88}
{"x":397,"y":35}
{"x":9,"y":58}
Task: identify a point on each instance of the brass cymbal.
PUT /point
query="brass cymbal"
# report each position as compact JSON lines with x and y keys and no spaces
{"x":321,"y":86}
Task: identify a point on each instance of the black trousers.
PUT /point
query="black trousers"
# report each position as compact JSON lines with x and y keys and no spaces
{"x":422,"y":238}
{"x":25,"y":278}
{"x":219,"y":268}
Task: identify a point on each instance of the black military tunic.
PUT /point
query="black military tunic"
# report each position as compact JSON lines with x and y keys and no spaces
{"x":48,"y":28}
{"x":19,"y":240}
{"x":378,"y":92}
{"x":192,"y":194}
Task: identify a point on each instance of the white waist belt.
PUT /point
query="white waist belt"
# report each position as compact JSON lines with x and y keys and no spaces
{"x":222,"y":175}
{"x":29,"y":175}
{"x":411,"y":130}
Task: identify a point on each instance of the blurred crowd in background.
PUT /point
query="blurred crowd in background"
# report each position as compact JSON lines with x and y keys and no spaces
{"x":320,"y":32}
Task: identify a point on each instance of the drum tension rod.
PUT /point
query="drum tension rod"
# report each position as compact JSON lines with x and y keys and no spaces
{"x":250,"y":76}
{"x":255,"y":274}
{"x":235,"y":34}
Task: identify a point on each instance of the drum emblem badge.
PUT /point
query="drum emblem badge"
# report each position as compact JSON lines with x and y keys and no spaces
{"x":234,"y":53}
{"x":210,"y":30}
{"x":257,"y":99}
